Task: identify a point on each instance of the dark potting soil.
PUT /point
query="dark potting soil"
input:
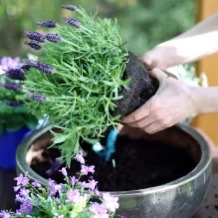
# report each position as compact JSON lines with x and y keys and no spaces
{"x":138,"y":164}
{"x":141,"y":87}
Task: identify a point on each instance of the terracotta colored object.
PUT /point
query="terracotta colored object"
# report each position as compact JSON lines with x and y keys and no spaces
{"x":208,"y":122}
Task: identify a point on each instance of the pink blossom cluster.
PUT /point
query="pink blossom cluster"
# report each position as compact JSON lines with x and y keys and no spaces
{"x":74,"y":198}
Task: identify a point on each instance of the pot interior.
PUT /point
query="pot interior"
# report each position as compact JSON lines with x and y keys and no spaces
{"x":140,"y":160}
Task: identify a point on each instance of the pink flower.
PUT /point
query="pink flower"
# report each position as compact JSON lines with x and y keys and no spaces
{"x":36,"y":184}
{"x":74,"y":180}
{"x":110,"y":202}
{"x":73,"y":195}
{"x":5,"y":214}
{"x":99,"y":210}
{"x":87,"y":169}
{"x":96,"y":192}
{"x":91,"y":184}
{"x":26,"y":207}
{"x":22,"y":180}
{"x":64,"y":171}
{"x":7,"y":63}
{"x":16,"y":188}
{"x":24,"y":192}
{"x":19,"y":198}
{"x":54,"y":188}
{"x":80,"y":158}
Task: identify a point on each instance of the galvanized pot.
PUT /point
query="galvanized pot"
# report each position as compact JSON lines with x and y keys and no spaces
{"x":177,"y":199}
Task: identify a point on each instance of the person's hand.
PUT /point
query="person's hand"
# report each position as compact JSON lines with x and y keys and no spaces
{"x":173,"y":102}
{"x":162,"y":57}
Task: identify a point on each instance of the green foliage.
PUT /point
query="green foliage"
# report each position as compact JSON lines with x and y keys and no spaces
{"x":14,"y":118}
{"x":89,"y":63}
{"x":144,"y":23}
{"x":77,"y":197}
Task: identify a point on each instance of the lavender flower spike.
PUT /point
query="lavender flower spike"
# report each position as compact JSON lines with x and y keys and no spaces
{"x":25,"y":67}
{"x":37,"y":97}
{"x":41,"y":66}
{"x":11,"y":86}
{"x":53,"y":37}
{"x":35,"y":36}
{"x":47,"y":23}
{"x":15,"y":73}
{"x":69,"y":7}
{"x":14,"y":103}
{"x":72,"y":22}
{"x":33,"y":44}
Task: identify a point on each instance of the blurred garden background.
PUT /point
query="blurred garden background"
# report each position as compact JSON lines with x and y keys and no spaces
{"x":144,"y":23}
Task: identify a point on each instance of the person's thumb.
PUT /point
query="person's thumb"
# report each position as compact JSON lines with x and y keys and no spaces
{"x":147,"y":60}
{"x":158,"y":74}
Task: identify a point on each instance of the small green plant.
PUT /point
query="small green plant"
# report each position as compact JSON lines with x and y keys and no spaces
{"x":78,"y":83}
{"x":13,"y":113}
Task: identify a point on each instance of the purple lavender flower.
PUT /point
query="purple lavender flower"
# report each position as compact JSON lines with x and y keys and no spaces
{"x":35,"y":36}
{"x":72,"y":22}
{"x":41,"y":66}
{"x":53,"y":37}
{"x":15,"y":73}
{"x":87,"y":169}
{"x":47,"y":23}
{"x":69,"y":7}
{"x":25,"y":67}
{"x":33,"y":44}
{"x":15,"y":103}
{"x":11,"y":86}
{"x":37,"y":97}
{"x":4,"y":214}
{"x":80,"y":157}
{"x":26,"y":207}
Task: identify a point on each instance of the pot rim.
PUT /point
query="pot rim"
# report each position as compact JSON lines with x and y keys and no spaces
{"x":201,"y":167}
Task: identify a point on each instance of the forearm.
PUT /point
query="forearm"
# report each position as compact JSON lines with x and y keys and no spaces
{"x":210,"y":24}
{"x":196,"y":43}
{"x":206,"y":99}
{"x":193,"y":48}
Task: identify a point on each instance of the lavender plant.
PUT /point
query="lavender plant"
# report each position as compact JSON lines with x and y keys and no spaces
{"x":13,"y":113}
{"x":75,"y":198}
{"x":78,"y":77}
